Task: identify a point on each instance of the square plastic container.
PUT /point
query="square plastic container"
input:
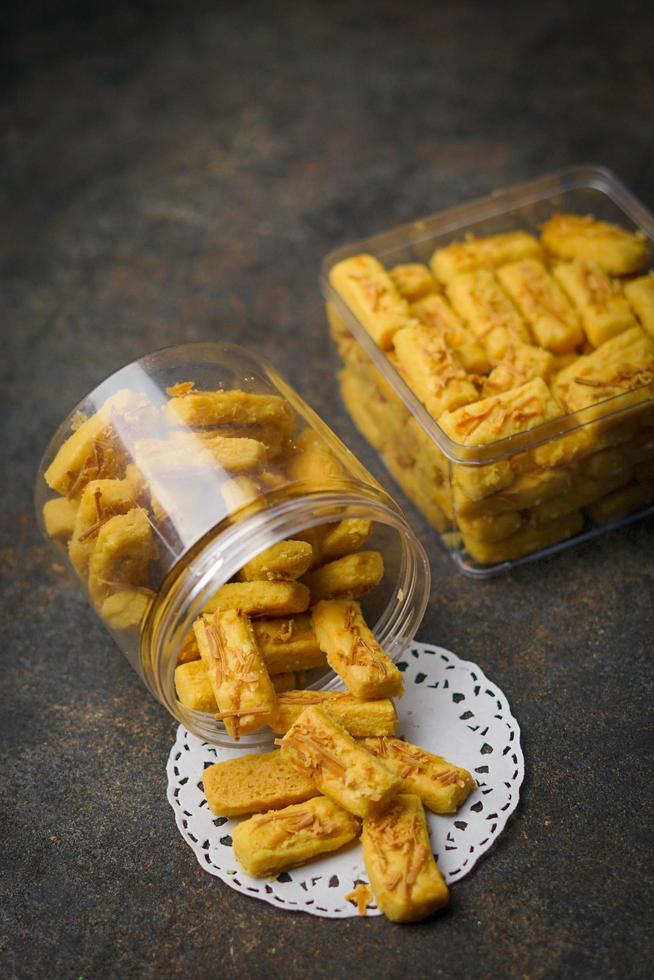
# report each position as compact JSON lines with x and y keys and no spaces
{"x":531,"y":494}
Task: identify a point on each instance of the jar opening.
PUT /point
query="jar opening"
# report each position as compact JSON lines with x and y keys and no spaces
{"x":393,"y":610}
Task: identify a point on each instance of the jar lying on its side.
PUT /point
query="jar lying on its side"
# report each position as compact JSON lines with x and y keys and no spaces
{"x":179,"y":477}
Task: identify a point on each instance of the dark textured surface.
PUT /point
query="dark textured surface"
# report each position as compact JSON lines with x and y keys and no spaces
{"x":176,"y":172}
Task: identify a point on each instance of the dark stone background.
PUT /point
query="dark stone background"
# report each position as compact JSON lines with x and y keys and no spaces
{"x":176,"y":171}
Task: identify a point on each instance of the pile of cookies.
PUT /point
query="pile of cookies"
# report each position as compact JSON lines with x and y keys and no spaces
{"x":324,"y":788}
{"x":497,"y":336}
{"x":293,"y":608}
{"x":140,"y":480}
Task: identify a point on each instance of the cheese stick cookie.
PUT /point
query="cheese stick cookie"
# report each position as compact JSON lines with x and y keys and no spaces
{"x":254,"y":784}
{"x":261,"y":598}
{"x":600,"y":301}
{"x":353,"y":652}
{"x":403,"y":874}
{"x":523,"y":542}
{"x":312,"y":462}
{"x":621,"y":502}
{"x":273,"y":437}
{"x":358,"y":400}
{"x":322,"y":749}
{"x":241,"y":684}
{"x":360,"y":718}
{"x":436,"y":313}
{"x":282,"y":562}
{"x":575,"y":236}
{"x":288,"y":643}
{"x":126,"y":610}
{"x":622,"y":364}
{"x":59,"y":517}
{"x":478,"y":253}
{"x":270,"y":842}
{"x":640,"y":294}
{"x":95,"y":450}
{"x":413,"y":281}
{"x":200,"y":409}
{"x":331,"y":541}
{"x":369,"y":291}
{"x":432,"y":371}
{"x":527,"y":490}
{"x":100,"y":500}
{"x":494,"y":320}
{"x":348,"y":577}
{"x":442,"y":786}
{"x":583,"y":491}
{"x":539,"y":298}
{"x":521,"y":363}
{"x":122,"y":554}
{"x":194,"y":688}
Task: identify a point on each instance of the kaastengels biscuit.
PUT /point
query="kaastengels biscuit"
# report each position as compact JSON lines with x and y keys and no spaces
{"x":602,"y":306}
{"x":502,"y":415}
{"x":353,"y":652}
{"x":351,"y":576}
{"x":529,"y":539}
{"x":434,"y":501}
{"x":100,"y":500}
{"x":288,"y":643}
{"x":432,"y":370}
{"x":94,"y":450}
{"x":359,"y":405}
{"x":184,"y":454}
{"x":59,"y":517}
{"x":240,"y":682}
{"x":583,"y":491}
{"x":369,"y":291}
{"x":332,"y":541}
{"x":553,"y":321}
{"x":126,"y":609}
{"x":312,"y":462}
{"x":360,"y":718}
{"x":274,"y":438}
{"x":621,"y":502}
{"x":492,"y":527}
{"x":397,"y":852}
{"x":442,"y":786}
{"x":202,"y":409}
{"x":194,"y":688}
{"x":614,"y":249}
{"x":282,"y":562}
{"x":624,"y":363}
{"x":485,"y":308}
{"x":122,"y":554}
{"x":322,"y":749}
{"x":640,"y":295}
{"x":436,"y":313}
{"x":477,"y":253}
{"x":527,"y":490}
{"x":261,"y":598}
{"x":521,"y":363}
{"x":271,"y":842}
{"x":413,"y":281}
{"x":254,"y":784}
{"x":494,"y":418}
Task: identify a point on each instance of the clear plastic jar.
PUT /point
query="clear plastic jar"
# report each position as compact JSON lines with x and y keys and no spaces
{"x":156,"y":505}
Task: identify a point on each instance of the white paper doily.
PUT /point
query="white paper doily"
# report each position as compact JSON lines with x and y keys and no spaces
{"x":449,"y":708}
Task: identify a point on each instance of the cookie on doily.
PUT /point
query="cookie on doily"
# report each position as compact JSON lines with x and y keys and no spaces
{"x":449,"y":708}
